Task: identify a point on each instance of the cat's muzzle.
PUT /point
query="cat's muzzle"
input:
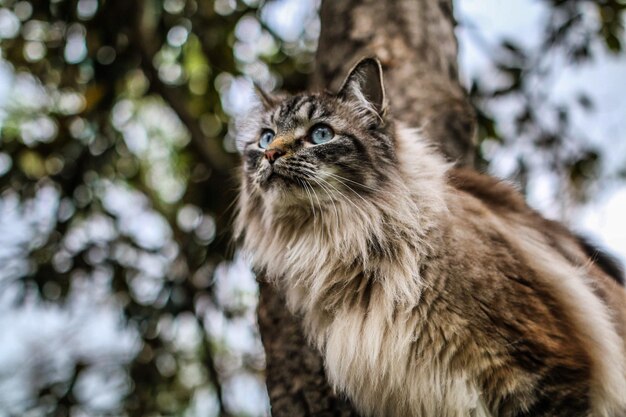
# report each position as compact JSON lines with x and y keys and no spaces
{"x":275,"y":174}
{"x":271,"y":174}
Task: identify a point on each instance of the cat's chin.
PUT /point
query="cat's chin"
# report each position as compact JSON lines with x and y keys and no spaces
{"x":287,"y":203}
{"x":276,"y":181}
{"x":285,"y":194}
{"x":278,"y":178}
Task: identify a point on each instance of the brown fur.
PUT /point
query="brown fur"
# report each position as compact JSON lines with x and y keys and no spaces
{"x":429,"y":291}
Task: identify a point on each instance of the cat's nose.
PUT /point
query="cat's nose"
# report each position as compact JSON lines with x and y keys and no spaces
{"x":273,"y":154}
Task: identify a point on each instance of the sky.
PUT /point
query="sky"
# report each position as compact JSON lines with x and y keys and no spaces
{"x":603,"y":80}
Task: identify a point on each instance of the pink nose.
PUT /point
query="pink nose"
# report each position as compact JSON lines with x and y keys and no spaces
{"x":273,"y":154}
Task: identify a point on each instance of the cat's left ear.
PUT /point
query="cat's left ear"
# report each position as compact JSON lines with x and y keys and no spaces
{"x":364,"y":85}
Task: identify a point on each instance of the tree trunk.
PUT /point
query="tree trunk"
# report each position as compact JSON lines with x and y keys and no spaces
{"x":414,"y":39}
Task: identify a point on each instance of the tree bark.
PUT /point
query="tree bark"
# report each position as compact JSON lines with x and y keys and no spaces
{"x":295,"y":377}
{"x":414,"y":39}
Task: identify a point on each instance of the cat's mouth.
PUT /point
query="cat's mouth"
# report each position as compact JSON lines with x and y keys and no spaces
{"x":278,"y":175}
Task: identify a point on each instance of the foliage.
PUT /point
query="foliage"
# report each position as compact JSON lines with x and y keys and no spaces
{"x":115,"y":114}
{"x":574,"y":33}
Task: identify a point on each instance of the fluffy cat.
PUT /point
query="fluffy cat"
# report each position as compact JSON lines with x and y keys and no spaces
{"x":429,"y":291}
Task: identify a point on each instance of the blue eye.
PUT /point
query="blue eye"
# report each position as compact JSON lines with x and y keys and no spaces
{"x":266,"y":138}
{"x":321,"y":134}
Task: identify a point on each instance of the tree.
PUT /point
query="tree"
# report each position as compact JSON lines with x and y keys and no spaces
{"x":116,"y":183}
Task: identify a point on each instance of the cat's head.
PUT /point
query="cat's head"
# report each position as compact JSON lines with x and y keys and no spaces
{"x":311,"y":148}
{"x":328,"y":173}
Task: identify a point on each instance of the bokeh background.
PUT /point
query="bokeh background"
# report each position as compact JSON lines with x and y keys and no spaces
{"x":120,"y":293}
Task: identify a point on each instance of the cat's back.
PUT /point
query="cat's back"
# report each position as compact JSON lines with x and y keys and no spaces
{"x":503,"y":201}
{"x":555,"y":317}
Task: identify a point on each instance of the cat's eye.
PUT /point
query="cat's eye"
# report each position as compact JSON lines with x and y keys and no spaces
{"x":321,"y":134}
{"x":267,"y":136}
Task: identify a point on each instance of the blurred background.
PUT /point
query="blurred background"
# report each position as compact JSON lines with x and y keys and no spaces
{"x":120,"y":294}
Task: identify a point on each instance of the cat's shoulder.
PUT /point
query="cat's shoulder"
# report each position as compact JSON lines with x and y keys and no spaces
{"x":493,"y":192}
{"x":501,"y":196}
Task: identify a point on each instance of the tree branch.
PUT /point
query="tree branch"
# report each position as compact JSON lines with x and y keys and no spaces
{"x":210,"y":150}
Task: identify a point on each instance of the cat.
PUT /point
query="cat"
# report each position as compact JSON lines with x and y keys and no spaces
{"x":429,"y":290}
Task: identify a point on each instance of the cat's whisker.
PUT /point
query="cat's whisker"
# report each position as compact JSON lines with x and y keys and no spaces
{"x":306,"y":189}
{"x":351,"y":189}
{"x":321,"y":182}
{"x":345,"y":198}
{"x":337,"y":191}
{"x":339,"y":177}
{"x":341,"y":180}
{"x":319,"y":204}
{"x":330,"y":197}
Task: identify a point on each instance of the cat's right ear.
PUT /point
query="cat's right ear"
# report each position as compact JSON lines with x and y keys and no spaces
{"x":266,"y":99}
{"x":364,"y":86}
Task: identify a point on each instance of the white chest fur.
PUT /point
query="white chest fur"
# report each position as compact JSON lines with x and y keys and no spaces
{"x":383,"y":366}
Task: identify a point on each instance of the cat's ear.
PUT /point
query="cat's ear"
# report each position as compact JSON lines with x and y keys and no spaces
{"x":266,"y":99}
{"x":364,"y":85}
